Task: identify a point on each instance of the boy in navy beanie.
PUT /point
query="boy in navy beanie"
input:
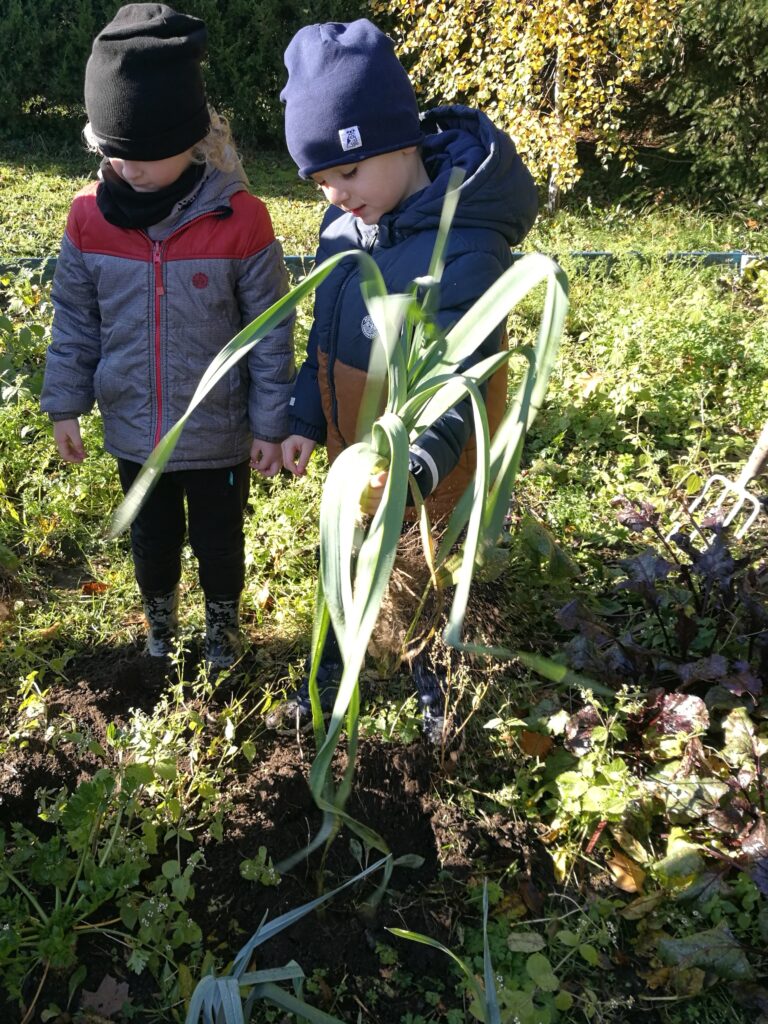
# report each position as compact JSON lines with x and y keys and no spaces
{"x":352,"y":125}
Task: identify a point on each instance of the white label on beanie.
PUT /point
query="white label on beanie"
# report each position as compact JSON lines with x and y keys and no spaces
{"x":350,"y":138}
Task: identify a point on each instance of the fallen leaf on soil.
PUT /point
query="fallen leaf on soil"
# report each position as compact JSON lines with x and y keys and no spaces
{"x":512,"y":905}
{"x":93,"y":587}
{"x":531,"y":896}
{"x":525,"y":942}
{"x":264,"y":599}
{"x":658,"y":978}
{"x":46,"y":634}
{"x":325,"y":993}
{"x":642,"y":905}
{"x":535,"y":744}
{"x":108,"y":998}
{"x":715,"y":950}
{"x":688,"y":981}
{"x":627,"y":875}
{"x":5,"y":611}
{"x":629,"y":844}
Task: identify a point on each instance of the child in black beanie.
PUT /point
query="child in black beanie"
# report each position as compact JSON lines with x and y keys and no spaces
{"x":164,"y":259}
{"x":352,"y":125}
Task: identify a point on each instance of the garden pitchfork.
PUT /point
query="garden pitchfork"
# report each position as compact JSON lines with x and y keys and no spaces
{"x":730,"y":497}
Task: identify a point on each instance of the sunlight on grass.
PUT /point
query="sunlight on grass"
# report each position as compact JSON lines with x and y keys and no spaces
{"x":593,"y":816}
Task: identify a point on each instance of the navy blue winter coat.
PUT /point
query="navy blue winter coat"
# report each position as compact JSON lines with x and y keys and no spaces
{"x":496,"y":209}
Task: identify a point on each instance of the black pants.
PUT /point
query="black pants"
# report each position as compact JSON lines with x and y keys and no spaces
{"x":216,"y":500}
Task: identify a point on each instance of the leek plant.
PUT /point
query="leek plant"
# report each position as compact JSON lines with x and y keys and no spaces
{"x":415,"y":377}
{"x":232,"y":997}
{"x":485,"y":1000}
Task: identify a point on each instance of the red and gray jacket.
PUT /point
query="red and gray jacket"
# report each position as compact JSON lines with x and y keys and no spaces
{"x":138,"y":319}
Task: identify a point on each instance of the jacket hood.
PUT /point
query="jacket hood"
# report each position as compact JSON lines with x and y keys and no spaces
{"x":213,"y":192}
{"x":217,"y":186}
{"x":498,"y":191}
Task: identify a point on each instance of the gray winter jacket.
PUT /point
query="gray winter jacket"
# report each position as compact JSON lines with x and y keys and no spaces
{"x":137,"y":319}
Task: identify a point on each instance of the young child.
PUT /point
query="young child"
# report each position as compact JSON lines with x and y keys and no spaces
{"x":164,"y":260}
{"x":352,"y":125}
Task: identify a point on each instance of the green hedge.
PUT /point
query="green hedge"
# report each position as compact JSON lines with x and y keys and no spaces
{"x":711,"y":84}
{"x":715,"y":88}
{"x":46,"y":44}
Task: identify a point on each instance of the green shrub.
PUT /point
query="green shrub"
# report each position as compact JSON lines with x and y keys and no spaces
{"x":47,"y":43}
{"x":715,"y":87}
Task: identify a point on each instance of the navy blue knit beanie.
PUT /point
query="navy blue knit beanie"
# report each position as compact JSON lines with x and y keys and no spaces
{"x":347,"y":98}
{"x":144,"y":91}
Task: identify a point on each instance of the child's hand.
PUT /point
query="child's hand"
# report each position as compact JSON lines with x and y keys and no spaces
{"x":66,"y":434}
{"x":296,"y":453}
{"x":266,"y":457}
{"x":371,"y":496}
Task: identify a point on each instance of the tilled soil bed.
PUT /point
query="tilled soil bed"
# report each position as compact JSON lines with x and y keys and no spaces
{"x":269,"y":805}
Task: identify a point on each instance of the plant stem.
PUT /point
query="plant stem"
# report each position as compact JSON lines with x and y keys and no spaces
{"x":31,"y":1008}
{"x":20,"y":885}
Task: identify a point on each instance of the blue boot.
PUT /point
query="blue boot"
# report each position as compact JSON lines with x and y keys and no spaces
{"x":295,"y":712}
{"x":430,"y":688}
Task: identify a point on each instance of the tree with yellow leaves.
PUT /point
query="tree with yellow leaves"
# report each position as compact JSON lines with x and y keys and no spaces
{"x":551,"y":72}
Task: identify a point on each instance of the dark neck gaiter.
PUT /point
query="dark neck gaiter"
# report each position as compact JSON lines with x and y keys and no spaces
{"x":126,"y":208}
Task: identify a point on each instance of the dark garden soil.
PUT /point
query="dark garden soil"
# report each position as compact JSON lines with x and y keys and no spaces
{"x":270,"y":805}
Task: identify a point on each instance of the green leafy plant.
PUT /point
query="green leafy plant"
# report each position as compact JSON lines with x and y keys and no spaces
{"x":56,"y":891}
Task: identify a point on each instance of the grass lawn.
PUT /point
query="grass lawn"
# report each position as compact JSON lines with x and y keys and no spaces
{"x":621,"y":829}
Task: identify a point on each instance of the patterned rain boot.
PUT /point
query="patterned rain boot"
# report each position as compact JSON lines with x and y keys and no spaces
{"x":162,"y":613}
{"x":430,"y":687}
{"x":222,"y":633}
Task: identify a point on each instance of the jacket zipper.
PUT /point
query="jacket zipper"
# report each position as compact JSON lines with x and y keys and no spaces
{"x":157,"y":260}
{"x":158,"y":248}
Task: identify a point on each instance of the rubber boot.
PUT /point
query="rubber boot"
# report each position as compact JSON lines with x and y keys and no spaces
{"x":222,"y":633}
{"x":162,"y":612}
{"x":295,"y":712}
{"x":430,"y":688}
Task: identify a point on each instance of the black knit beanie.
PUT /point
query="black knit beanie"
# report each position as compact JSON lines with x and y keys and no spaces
{"x":144,"y":91}
{"x":347,"y":98}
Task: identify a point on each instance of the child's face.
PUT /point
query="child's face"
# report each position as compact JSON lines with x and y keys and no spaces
{"x":151,"y":175}
{"x":370,"y":188}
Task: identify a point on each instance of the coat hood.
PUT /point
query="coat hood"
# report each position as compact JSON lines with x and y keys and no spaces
{"x":498,"y":191}
{"x":213,"y":192}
